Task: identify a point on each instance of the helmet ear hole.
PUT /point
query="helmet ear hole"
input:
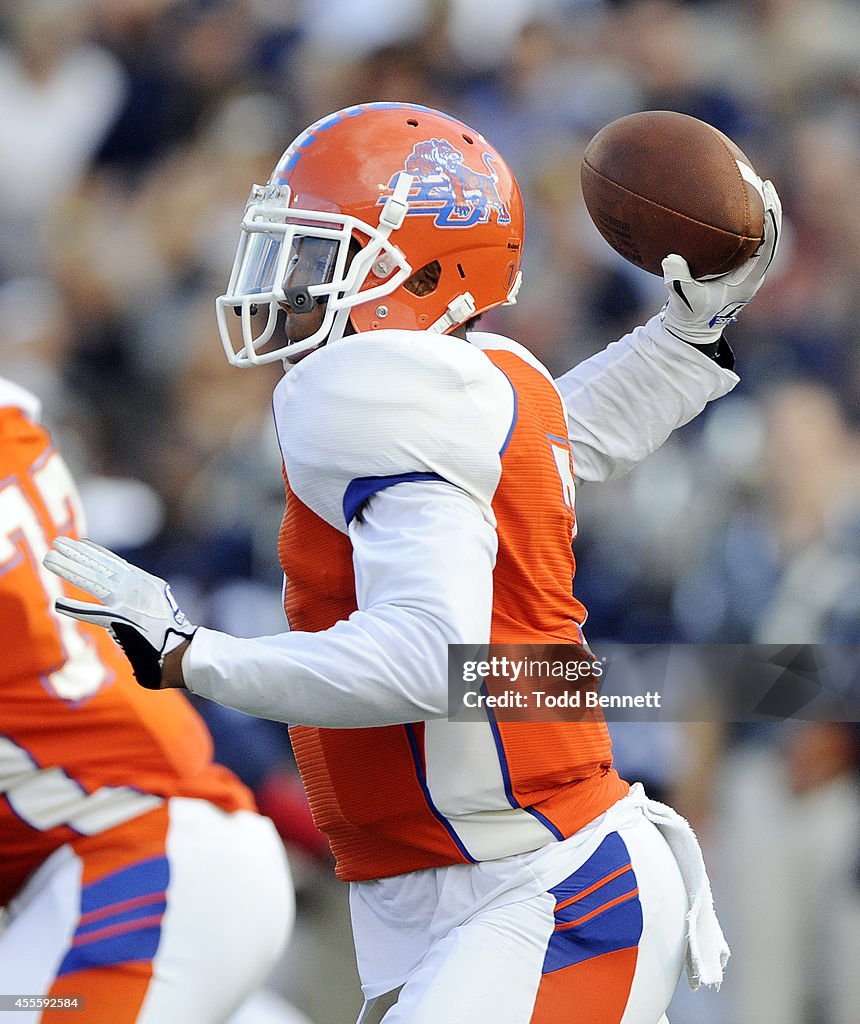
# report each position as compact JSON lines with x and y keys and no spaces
{"x":425,"y":280}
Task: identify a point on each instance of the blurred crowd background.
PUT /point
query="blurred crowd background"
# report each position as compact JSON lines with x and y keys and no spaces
{"x":130,"y":133}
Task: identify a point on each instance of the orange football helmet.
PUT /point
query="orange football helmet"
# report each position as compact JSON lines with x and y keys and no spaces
{"x":386,"y":215}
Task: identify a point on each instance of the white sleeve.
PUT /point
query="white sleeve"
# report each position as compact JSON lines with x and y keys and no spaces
{"x":382,"y":407}
{"x":423,"y":557}
{"x":624,"y":402}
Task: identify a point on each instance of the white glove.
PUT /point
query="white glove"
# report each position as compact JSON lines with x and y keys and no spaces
{"x":137,"y":609}
{"x":697,"y":311}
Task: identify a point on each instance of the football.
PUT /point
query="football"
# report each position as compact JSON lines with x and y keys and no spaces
{"x":659,"y":182}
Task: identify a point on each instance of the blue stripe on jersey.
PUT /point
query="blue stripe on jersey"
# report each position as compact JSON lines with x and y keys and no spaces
{"x":422,"y":781}
{"x":617,"y":927}
{"x":510,"y":434}
{"x":506,"y":775}
{"x":547,"y":824}
{"x":500,"y":751}
{"x":364,"y":487}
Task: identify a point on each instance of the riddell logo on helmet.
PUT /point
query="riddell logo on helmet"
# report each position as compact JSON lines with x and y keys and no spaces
{"x":445,"y":188}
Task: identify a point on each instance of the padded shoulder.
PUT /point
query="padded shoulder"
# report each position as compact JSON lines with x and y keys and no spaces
{"x":374,"y":409}
{"x":487,"y":342}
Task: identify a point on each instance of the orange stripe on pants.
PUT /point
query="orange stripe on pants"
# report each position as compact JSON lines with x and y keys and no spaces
{"x":593,"y":991}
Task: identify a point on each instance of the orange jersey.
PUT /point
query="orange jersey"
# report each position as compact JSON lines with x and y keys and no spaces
{"x":372,"y":790}
{"x":83,"y":748}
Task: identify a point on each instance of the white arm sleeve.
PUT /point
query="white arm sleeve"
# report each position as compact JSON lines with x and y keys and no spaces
{"x":624,"y":402}
{"x":424,"y":558}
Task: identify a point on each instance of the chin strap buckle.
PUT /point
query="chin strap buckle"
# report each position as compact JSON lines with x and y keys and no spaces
{"x":397,"y":204}
{"x":511,"y":300}
{"x":459,"y":310}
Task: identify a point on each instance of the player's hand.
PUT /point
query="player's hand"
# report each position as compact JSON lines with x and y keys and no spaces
{"x":137,"y":609}
{"x":697,"y":311}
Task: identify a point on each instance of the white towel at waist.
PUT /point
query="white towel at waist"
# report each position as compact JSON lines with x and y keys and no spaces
{"x":707,"y":949}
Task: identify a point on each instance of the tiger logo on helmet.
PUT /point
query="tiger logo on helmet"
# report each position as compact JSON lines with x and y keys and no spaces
{"x":467,"y":196}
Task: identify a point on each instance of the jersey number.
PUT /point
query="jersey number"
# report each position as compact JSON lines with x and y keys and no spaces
{"x":561,"y":453}
{"x":22,"y":537}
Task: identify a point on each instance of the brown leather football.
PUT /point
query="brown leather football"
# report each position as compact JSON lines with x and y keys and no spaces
{"x":660,"y":182}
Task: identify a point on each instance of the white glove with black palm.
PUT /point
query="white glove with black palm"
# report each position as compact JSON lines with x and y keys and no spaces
{"x":698,"y":310}
{"x":137,"y":609}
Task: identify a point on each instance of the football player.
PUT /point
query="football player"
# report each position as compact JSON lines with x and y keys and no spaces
{"x":499,"y":871}
{"x":139,"y":882}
